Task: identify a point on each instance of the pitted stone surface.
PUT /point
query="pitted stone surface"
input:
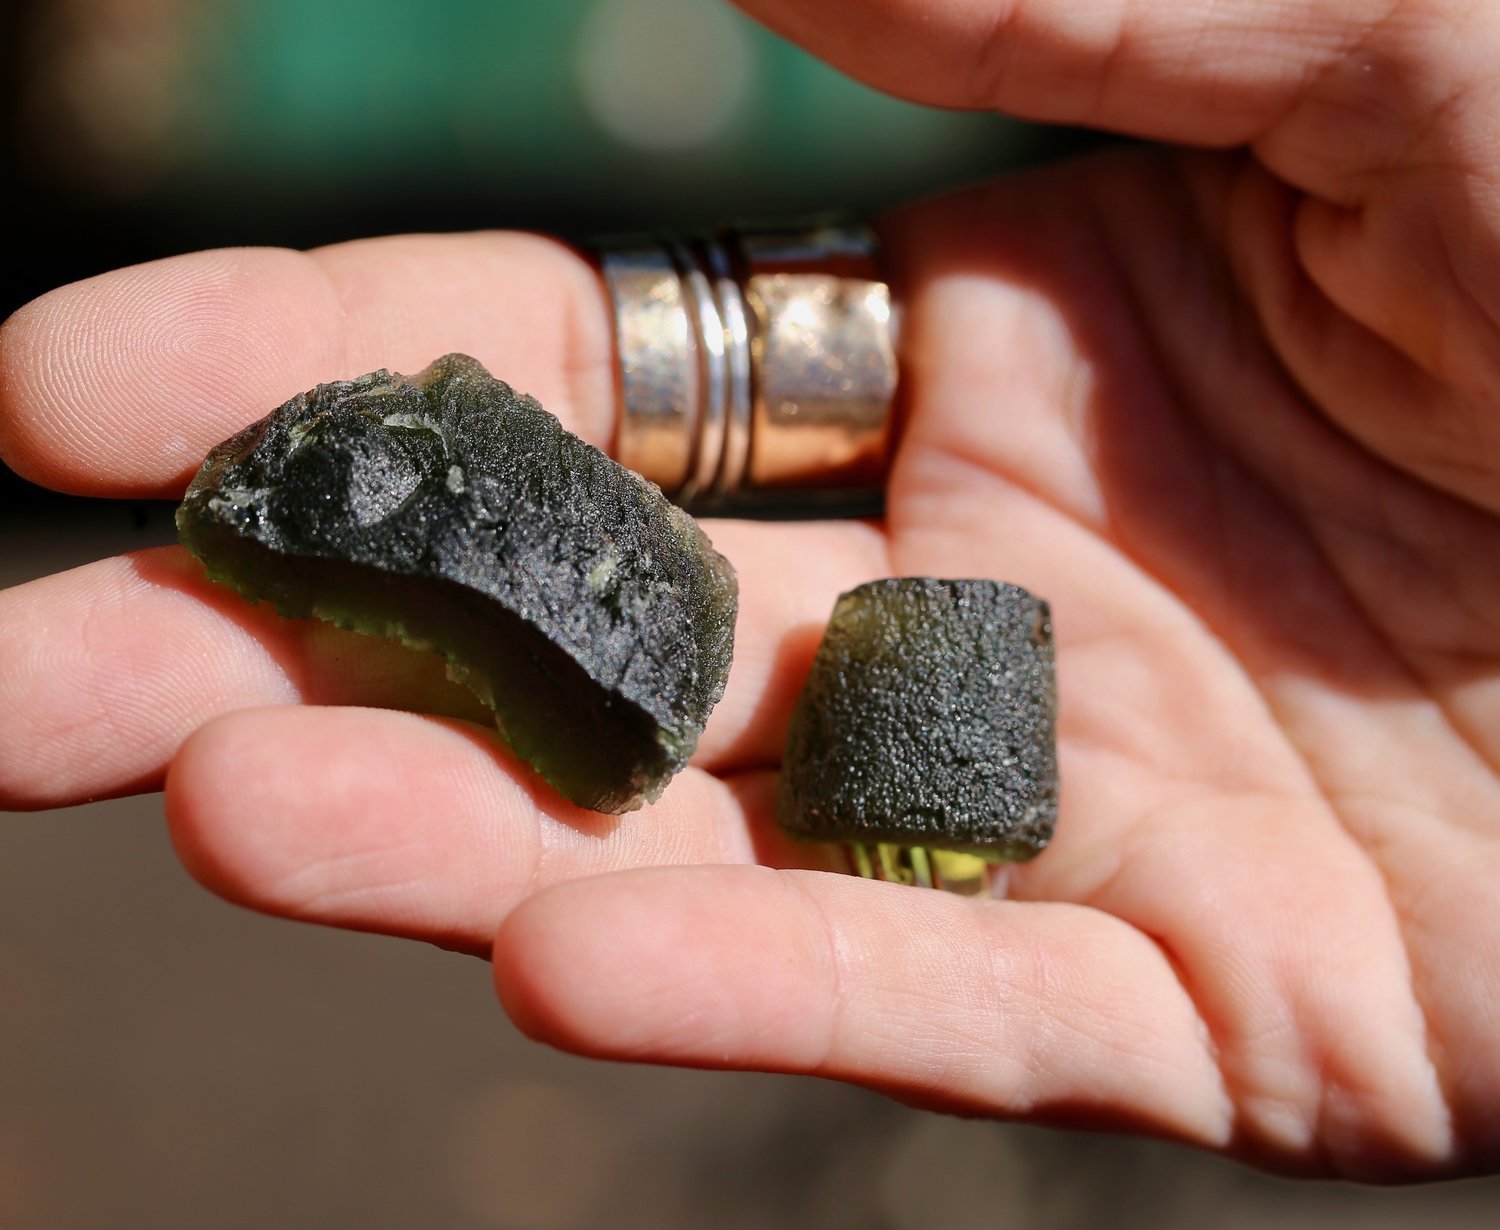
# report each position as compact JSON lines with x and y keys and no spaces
{"x":451,"y":512}
{"x":928,"y":718}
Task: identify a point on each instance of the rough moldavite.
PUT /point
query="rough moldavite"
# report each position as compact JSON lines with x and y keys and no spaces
{"x":928,"y":719}
{"x":451,"y":512}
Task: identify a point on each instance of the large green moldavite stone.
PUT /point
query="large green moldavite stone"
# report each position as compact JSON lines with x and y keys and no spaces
{"x":928,"y":719}
{"x":455,"y":514}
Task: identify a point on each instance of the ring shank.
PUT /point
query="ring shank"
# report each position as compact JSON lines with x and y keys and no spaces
{"x":657,"y":364}
{"x":756,"y":366}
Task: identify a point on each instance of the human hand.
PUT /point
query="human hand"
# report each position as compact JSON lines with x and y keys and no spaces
{"x":1229,"y":412}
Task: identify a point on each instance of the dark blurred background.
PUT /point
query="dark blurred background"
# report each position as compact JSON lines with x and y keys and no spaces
{"x":167,"y":1061}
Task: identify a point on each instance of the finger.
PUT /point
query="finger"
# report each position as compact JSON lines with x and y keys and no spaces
{"x":1053,"y":1012}
{"x":119,"y":385}
{"x":418,"y":827}
{"x":1391,"y":350}
{"x":106,"y":670}
{"x":1218,"y":74}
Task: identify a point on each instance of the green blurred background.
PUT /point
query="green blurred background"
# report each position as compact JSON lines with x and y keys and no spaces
{"x":167,"y":1061}
{"x":176,"y":124}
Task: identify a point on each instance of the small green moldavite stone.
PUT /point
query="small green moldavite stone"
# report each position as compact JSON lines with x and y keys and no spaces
{"x":928,"y":719}
{"x":450,"y":512}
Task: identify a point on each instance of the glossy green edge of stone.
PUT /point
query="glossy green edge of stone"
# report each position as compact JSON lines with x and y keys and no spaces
{"x":645,"y":755}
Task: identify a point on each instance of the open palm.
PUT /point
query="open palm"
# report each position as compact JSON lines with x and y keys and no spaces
{"x":1231,"y":413}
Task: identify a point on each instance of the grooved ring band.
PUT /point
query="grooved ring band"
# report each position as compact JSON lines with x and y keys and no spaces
{"x":754,"y":365}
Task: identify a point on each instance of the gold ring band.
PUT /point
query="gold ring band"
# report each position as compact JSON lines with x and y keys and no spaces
{"x":953,"y":871}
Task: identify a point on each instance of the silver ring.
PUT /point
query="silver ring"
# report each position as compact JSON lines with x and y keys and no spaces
{"x":756,"y":366}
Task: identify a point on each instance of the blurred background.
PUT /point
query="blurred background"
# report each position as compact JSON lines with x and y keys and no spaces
{"x":167,"y":1061}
